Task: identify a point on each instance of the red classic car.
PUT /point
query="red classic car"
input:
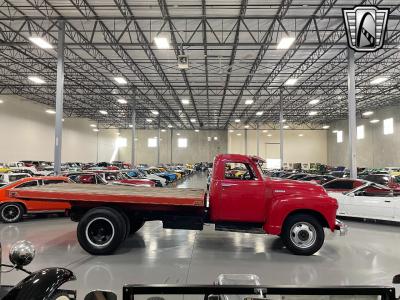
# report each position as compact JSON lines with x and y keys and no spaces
{"x":12,"y":210}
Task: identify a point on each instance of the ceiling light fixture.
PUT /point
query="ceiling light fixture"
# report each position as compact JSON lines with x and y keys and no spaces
{"x":161,"y":42}
{"x":36,"y":79}
{"x":374,"y":121}
{"x":96,"y":130}
{"x":103,"y":112}
{"x":325,"y":127}
{"x":238,"y":134}
{"x":378,"y":80}
{"x":1,"y":101}
{"x":185,"y":101}
{"x":149,"y":120}
{"x":291,"y":81}
{"x":120,"y":80}
{"x":259,"y":113}
{"x":122,"y":101}
{"x":41,"y":42}
{"x":170,"y":126}
{"x":163,"y":130}
{"x":155,"y":112}
{"x":285,"y":42}
{"x":367,"y":113}
{"x":301,"y":134}
{"x":193,"y":120}
{"x":313,"y":102}
{"x":130,"y":126}
{"x":265,"y":131}
{"x":269,"y":135}
{"x":51,"y":111}
{"x":178,"y":134}
{"x":237,"y":120}
{"x":93,"y":125}
{"x":249,"y":101}
{"x":196,"y":130}
{"x":231,"y":131}
{"x":285,"y":127}
{"x":313,"y":113}
{"x":246,"y":126}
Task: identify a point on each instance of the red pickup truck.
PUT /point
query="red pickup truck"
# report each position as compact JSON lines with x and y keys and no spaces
{"x":295,"y":211}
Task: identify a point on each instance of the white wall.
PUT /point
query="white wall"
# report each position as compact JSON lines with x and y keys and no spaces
{"x":27,"y":133}
{"x":376,"y":150}
{"x":309,"y":148}
{"x":199,"y":148}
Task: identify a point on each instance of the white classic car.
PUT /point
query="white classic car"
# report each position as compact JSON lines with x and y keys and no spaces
{"x":369,"y":201}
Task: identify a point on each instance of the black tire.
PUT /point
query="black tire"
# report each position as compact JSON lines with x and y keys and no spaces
{"x":101,"y":230}
{"x":11,"y":212}
{"x":302,"y":234}
{"x":136,"y":224}
{"x":127,"y":224}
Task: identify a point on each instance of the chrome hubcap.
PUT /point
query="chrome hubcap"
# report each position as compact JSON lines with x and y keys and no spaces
{"x":303,"y":235}
{"x":10,"y":212}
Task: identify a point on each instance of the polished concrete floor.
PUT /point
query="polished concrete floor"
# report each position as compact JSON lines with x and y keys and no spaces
{"x":369,"y":254}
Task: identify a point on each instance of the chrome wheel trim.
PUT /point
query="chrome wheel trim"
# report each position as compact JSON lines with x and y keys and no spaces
{"x":10,"y":215}
{"x":88,"y":235}
{"x":303,"y":235}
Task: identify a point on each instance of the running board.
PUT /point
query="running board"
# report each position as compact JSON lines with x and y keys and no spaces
{"x":244,"y":228}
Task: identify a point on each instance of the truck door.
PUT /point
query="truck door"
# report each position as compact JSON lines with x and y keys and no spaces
{"x":242,"y":196}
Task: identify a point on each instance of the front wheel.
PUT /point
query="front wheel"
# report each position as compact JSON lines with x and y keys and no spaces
{"x":303,"y":234}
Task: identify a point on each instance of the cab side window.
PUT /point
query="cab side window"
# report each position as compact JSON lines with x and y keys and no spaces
{"x":239,"y":171}
{"x":27,"y":184}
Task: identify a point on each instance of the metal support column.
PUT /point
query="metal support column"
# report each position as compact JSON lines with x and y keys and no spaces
{"x":59,"y":98}
{"x":281,"y":127}
{"x":171,"y":145}
{"x":158,"y":141}
{"x":133,"y":142}
{"x":351,"y":81}
{"x":258,"y":140}
{"x":245,"y":141}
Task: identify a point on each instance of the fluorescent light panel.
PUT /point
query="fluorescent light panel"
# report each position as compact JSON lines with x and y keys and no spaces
{"x":185,"y":101}
{"x":93,"y":125}
{"x":155,"y":112}
{"x":379,"y":80}
{"x":161,"y":42}
{"x":367,"y":113}
{"x":313,"y":113}
{"x":193,"y":120}
{"x":103,"y":112}
{"x":286,"y":42}
{"x":291,"y":81}
{"x":237,"y":120}
{"x":36,"y":79}
{"x":120,"y":80}
{"x":249,"y":101}
{"x":51,"y":111}
{"x":122,"y":101}
{"x":41,"y":42}
{"x":313,"y":102}
{"x":325,"y":127}
{"x":374,"y":121}
{"x":149,"y":120}
{"x":259,"y":113}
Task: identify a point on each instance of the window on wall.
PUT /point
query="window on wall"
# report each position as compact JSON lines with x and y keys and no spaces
{"x":182,"y":143}
{"x":339,"y":136}
{"x":360,"y":132}
{"x":152,"y":142}
{"x":388,"y":126}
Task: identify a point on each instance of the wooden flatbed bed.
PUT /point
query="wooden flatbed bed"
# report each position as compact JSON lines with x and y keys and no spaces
{"x":69,"y":192}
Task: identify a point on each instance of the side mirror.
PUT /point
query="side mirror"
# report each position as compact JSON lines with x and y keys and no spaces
{"x":101,"y":295}
{"x":22,"y":253}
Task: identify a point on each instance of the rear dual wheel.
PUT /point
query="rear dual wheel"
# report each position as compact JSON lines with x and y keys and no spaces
{"x":101,"y":230}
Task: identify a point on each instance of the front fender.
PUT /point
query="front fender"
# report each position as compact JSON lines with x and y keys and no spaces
{"x":285,"y":205}
{"x":40,"y":285}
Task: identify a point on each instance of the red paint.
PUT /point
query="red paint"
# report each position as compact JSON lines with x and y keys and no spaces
{"x":260,"y":200}
{"x":32,"y":206}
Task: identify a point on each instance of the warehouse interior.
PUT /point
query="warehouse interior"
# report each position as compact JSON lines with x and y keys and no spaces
{"x":205,"y":101}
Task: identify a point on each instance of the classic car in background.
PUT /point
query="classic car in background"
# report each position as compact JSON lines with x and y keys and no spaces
{"x":368,"y":201}
{"x":12,"y":210}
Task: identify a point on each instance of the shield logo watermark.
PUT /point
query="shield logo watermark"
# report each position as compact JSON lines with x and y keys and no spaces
{"x":365,"y":27}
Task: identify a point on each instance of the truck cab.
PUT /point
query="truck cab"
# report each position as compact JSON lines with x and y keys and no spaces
{"x":242,"y":198}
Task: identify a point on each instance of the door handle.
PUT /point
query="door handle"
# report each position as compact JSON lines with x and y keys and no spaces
{"x":388,"y":201}
{"x":228,"y":184}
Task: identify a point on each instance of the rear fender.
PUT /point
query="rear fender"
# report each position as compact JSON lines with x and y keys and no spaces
{"x":40,"y":285}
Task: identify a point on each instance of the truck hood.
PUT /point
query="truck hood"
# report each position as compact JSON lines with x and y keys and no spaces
{"x":287,"y":186}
